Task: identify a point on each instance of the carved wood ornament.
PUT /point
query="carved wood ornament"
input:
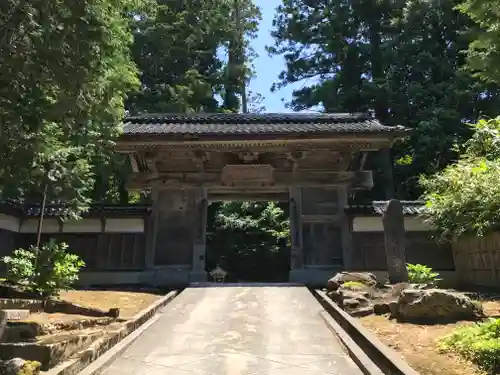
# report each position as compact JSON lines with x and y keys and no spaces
{"x":150,"y":159}
{"x":200,"y":159}
{"x":260,"y":175}
{"x":294,"y":157}
{"x":248,"y":157}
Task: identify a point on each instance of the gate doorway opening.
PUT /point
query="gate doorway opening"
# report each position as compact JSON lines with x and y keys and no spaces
{"x":250,"y":240}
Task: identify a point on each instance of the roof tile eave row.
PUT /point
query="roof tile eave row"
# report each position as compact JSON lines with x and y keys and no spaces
{"x":54,"y":210}
{"x":248,"y":124}
{"x":375,"y":208}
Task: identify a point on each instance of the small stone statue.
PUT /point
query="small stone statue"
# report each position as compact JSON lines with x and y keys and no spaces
{"x":395,"y":250}
{"x":218,"y":274}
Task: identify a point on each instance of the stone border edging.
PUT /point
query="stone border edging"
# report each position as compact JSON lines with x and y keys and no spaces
{"x":359,"y":357}
{"x":21,"y":304}
{"x":101,"y":346}
{"x":386,"y":359}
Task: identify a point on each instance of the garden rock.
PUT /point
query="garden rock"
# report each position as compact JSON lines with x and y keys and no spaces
{"x":20,"y":333}
{"x":13,"y":366}
{"x":17,"y":314}
{"x":335,"y":296}
{"x":18,"y":366}
{"x":381,"y":308}
{"x":356,"y":303}
{"x":54,"y":306}
{"x":353,"y":294}
{"x":362,"y":311}
{"x":340,"y":278}
{"x":434,"y":305}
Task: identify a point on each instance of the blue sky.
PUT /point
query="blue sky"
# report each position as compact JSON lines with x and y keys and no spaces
{"x":268,"y":68}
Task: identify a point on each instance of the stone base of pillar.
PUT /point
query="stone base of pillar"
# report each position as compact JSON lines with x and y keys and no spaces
{"x":198,"y":277}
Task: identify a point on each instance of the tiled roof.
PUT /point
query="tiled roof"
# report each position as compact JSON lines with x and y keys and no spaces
{"x":25,"y":210}
{"x":248,"y":124}
{"x":377,"y":208}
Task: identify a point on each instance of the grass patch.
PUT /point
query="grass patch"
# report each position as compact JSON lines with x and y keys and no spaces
{"x":479,"y":343}
{"x":353,"y":285}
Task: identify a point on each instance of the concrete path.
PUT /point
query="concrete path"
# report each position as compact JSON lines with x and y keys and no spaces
{"x":237,"y":331}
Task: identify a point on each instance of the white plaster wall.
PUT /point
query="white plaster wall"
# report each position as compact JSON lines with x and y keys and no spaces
{"x":128,"y":225}
{"x":31,"y":225}
{"x":82,"y":226}
{"x":374,"y":224}
{"x":9,"y":223}
{"x":51,"y":225}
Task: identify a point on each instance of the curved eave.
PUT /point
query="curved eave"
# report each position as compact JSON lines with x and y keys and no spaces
{"x":205,"y":140}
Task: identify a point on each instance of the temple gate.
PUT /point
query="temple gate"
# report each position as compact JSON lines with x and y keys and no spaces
{"x":312,"y":161}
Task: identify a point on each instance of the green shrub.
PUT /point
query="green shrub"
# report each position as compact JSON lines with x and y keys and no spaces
{"x":45,"y":270}
{"x":464,"y":198}
{"x":421,"y":274}
{"x":479,"y":343}
{"x":30,"y":368}
{"x":20,"y":267}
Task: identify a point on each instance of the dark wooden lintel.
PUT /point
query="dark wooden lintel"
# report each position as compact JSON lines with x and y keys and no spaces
{"x":353,"y":179}
{"x":339,"y":143}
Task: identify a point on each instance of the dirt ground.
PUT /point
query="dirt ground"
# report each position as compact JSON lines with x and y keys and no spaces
{"x":129,"y":303}
{"x":418,"y":343}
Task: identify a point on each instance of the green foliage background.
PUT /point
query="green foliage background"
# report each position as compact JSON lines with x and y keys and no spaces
{"x":464,"y":198}
{"x":70,"y":70}
{"x":249,"y":240}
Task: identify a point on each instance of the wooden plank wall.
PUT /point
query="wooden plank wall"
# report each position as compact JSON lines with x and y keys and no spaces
{"x":100,"y":251}
{"x":421,"y":248}
{"x":478,"y":260}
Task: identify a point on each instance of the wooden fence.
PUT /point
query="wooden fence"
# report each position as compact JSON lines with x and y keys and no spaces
{"x":477,"y":260}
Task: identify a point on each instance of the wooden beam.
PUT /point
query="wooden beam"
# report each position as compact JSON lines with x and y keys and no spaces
{"x":281,"y":179}
{"x":247,"y":196}
{"x":133,"y":163}
{"x":343,"y":143}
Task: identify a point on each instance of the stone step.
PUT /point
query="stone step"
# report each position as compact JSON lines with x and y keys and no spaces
{"x":11,"y":314}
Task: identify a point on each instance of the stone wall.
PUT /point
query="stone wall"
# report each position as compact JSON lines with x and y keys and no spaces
{"x":478,"y":260}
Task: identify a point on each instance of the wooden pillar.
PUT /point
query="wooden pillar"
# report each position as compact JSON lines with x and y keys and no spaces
{"x":198,"y":272}
{"x":297,"y":259}
{"x":151,"y":228}
{"x":345,"y":228}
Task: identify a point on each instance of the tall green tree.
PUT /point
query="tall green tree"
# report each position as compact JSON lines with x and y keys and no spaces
{"x":179,"y":55}
{"x":243,"y":18}
{"x":66,"y":69}
{"x":403,"y":60}
{"x":484,"y":51}
{"x":464,"y":198}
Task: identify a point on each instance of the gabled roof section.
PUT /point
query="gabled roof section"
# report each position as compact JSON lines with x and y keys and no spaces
{"x":233,"y":124}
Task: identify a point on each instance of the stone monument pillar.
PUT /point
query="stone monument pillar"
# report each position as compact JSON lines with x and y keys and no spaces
{"x":395,"y":247}
{"x":3,"y":323}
